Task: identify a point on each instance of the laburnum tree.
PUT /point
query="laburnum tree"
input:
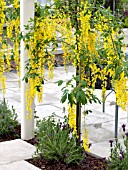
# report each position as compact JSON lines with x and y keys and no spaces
{"x":92,"y":41}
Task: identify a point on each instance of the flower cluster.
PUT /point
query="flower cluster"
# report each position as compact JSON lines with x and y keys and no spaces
{"x":9,"y":38}
{"x":119,"y":152}
{"x":2,"y":44}
{"x":39,"y":55}
{"x":72,"y":124}
{"x":125,"y":13}
{"x":93,"y":44}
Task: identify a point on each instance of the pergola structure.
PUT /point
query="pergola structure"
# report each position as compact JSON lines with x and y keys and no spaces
{"x":27,"y":125}
{"x":27,"y":12}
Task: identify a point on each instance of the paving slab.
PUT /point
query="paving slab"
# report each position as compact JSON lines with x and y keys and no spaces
{"x":101,"y":149}
{"x":15,"y":150}
{"x":98,"y":117}
{"x":18,"y":165}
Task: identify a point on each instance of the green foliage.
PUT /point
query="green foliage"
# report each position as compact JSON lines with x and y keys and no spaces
{"x":126,"y":22}
{"x":57,"y":141}
{"x":118,"y":159}
{"x":125,"y":64}
{"x":122,"y":9}
{"x":8,"y":118}
{"x":76,"y":90}
{"x":77,"y":93}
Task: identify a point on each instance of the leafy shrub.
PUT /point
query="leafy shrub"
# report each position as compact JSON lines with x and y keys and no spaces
{"x":118,"y":159}
{"x":7,"y":119}
{"x":57,"y":141}
{"x":126,"y":22}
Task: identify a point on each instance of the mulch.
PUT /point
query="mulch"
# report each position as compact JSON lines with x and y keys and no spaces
{"x":11,"y":136}
{"x":89,"y":163}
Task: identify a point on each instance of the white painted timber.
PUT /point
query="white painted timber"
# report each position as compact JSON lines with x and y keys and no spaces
{"x":27,"y":126}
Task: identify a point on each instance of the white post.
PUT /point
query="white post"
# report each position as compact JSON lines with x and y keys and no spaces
{"x":27,"y":126}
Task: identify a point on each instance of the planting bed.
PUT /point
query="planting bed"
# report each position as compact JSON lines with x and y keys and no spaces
{"x":89,"y":163}
{"x":14,"y":135}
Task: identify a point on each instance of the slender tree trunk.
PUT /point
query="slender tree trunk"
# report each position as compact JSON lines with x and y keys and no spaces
{"x":114,"y":6}
{"x":94,"y":2}
{"x":78,"y":111}
{"x":78,"y":73}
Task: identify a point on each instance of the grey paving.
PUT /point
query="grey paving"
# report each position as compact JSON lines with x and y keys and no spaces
{"x":18,"y":165}
{"x":15,"y":150}
{"x":100,"y":125}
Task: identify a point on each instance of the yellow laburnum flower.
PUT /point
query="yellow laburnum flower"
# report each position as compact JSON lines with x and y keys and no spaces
{"x":85,"y":137}
{"x":72,"y":117}
{"x":121,"y":89}
{"x":72,"y":124}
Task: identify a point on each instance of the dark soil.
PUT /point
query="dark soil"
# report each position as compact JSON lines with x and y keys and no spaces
{"x":11,"y":136}
{"x":89,"y":163}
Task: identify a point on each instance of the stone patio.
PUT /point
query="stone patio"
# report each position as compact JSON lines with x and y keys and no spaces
{"x":100,"y":125}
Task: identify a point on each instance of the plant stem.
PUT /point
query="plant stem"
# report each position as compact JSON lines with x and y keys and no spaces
{"x":78,"y":73}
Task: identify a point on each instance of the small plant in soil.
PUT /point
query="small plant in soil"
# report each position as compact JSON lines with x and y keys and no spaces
{"x":57,"y":141}
{"x":8,"y":119}
{"x":118,"y":159}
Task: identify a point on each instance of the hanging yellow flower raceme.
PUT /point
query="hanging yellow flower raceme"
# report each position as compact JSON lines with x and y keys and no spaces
{"x":72,"y":117}
{"x":8,"y":37}
{"x":72,"y":124}
{"x":85,"y":137}
{"x":16,"y":4}
{"x":16,"y":44}
{"x":121,"y":89}
{"x":40,"y":55}
{"x":2,"y":50}
{"x":91,"y":45}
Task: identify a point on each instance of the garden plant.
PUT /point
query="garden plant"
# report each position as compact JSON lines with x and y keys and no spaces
{"x":8,"y":119}
{"x":119,"y":153}
{"x":122,"y":11}
{"x":91,"y":38}
{"x":56,"y":148}
{"x":56,"y":141}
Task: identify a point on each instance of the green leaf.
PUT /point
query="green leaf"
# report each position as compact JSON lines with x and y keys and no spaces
{"x":27,"y":46}
{"x":60,"y":82}
{"x":26,"y":27}
{"x":26,"y":79}
{"x":20,"y":36}
{"x":118,"y":72}
{"x":68,"y":82}
{"x":83,"y":84}
{"x":80,"y":97}
{"x":42,"y":81}
{"x":64,"y":97}
{"x":38,"y":88}
{"x":109,"y":67}
{"x":70,"y":99}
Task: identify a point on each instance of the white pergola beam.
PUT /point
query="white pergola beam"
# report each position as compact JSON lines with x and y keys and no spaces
{"x":27,"y":126}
